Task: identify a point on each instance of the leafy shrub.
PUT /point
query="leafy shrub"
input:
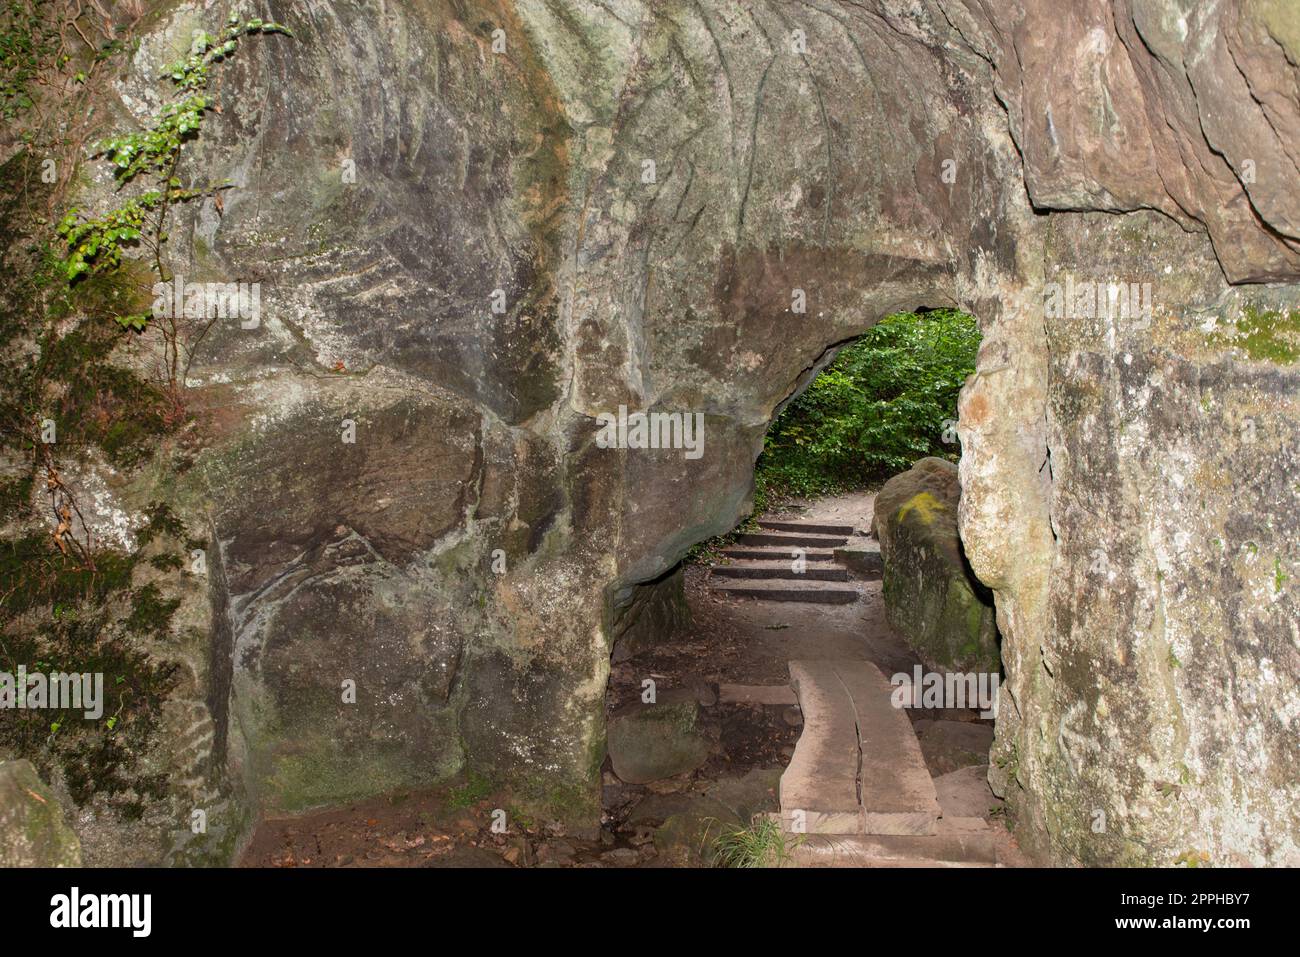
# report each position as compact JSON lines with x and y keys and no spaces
{"x":885,"y":401}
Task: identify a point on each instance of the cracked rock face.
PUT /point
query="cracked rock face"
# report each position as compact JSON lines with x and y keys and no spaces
{"x":472,"y":242}
{"x":1188,"y":108}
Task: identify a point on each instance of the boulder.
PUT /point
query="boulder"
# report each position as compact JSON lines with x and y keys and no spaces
{"x":951,"y":745}
{"x":686,"y":826}
{"x":965,"y":793}
{"x":751,"y":793}
{"x":931,"y":595}
{"x":649,"y":742}
{"x":32,"y":832}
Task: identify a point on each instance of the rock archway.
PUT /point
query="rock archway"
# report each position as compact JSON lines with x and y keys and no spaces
{"x":647,"y":184}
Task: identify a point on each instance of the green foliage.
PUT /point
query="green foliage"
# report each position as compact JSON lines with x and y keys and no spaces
{"x":884,"y":402}
{"x":762,"y":844}
{"x":27,"y":40}
{"x":95,"y":245}
{"x":152,"y":154}
{"x":68,"y":602}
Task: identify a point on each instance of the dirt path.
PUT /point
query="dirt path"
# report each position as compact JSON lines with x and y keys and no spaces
{"x":752,"y":642}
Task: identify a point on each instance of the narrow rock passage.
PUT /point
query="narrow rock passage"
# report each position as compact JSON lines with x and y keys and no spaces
{"x":858,"y":790}
{"x":833,"y":748}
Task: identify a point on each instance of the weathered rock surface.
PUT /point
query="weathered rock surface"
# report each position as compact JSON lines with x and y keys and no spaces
{"x":931,"y":596}
{"x":685,"y":826}
{"x":1148,"y":612}
{"x":465,"y":559}
{"x":951,"y":745}
{"x":964,"y":793}
{"x":754,"y":792}
{"x":1083,"y":86}
{"x":32,"y":831}
{"x":649,"y":742}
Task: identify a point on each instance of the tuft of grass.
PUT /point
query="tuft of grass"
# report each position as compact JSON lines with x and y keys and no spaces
{"x":761,"y":844}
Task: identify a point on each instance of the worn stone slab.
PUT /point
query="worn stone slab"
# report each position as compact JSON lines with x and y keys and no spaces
{"x":863,"y":558}
{"x":966,"y":798}
{"x":808,"y":528}
{"x":777,"y":590}
{"x":950,"y":745}
{"x":776,"y":554}
{"x":897,"y":792}
{"x":790,"y":540}
{"x":895,"y":850}
{"x":819,"y":788}
{"x":782,"y":571}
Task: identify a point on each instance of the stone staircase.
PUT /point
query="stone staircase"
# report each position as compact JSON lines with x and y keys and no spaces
{"x":793,"y":561}
{"x":857,"y":792}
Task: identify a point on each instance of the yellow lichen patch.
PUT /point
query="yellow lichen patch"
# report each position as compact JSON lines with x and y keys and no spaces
{"x":1282,"y":21}
{"x":926,"y":506}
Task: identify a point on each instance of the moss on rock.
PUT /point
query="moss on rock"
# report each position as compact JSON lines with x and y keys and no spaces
{"x":32,"y":832}
{"x":930,"y":593}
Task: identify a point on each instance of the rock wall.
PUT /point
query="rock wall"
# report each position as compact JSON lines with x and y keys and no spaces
{"x":1151,"y":670}
{"x":468,"y":251}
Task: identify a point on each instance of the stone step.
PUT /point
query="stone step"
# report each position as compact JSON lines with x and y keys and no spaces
{"x":808,"y":528}
{"x":853,"y":733}
{"x":957,"y":849}
{"x":863,"y":558}
{"x":783,"y":570}
{"x":790,"y":541}
{"x":777,"y":590}
{"x":775,"y":554}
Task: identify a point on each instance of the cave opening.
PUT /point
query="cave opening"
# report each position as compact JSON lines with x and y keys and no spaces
{"x":777,"y":693}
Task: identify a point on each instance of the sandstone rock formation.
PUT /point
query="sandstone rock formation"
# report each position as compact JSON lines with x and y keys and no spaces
{"x":647,"y":184}
{"x":931,"y":596}
{"x":951,"y":745}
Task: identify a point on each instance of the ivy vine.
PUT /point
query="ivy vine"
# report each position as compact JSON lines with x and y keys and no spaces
{"x":151,"y":156}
